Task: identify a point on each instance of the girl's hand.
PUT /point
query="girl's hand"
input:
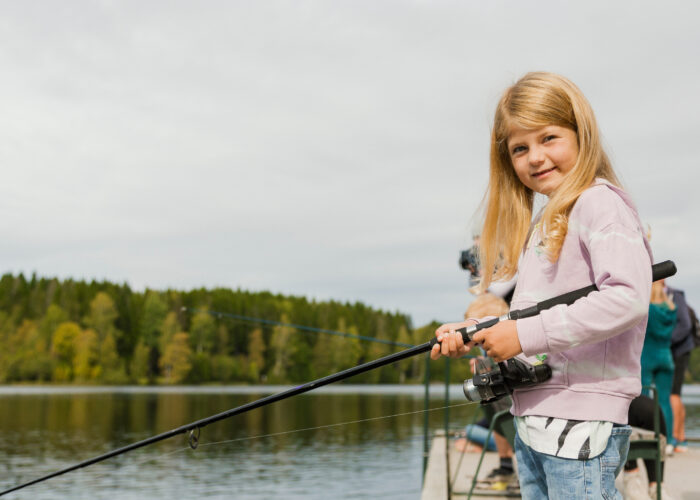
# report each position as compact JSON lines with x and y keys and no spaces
{"x":501,"y":341}
{"x":451,"y":342}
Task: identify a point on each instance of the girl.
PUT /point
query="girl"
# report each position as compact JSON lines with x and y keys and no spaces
{"x":572,"y":437}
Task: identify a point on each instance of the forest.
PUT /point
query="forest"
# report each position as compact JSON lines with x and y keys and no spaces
{"x":79,"y":332}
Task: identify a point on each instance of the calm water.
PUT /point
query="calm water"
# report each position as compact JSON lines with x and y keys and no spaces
{"x":43,"y":430}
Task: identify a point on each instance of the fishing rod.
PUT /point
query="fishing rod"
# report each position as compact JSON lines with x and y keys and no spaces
{"x":659,"y":271}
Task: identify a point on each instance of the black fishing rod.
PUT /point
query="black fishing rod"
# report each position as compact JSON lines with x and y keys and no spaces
{"x":659,"y":271}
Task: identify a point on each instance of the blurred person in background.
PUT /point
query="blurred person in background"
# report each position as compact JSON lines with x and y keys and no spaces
{"x":682,"y":343}
{"x":657,"y":361}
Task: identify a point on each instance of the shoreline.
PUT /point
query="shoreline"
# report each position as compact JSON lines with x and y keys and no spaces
{"x":690,"y":395}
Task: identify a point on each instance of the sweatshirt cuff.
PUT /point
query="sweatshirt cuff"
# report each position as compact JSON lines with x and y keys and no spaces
{"x":531,"y":336}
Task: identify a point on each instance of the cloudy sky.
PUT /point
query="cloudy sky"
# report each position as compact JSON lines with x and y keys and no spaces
{"x":331,"y":149}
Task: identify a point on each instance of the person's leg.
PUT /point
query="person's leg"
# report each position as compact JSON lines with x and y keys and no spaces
{"x":640,"y":410}
{"x":635,"y":418}
{"x":505,"y":470}
{"x":677,"y":410}
{"x":681,"y":365}
{"x":664,"y":381}
{"x":477,"y":434}
{"x":533,"y":484}
{"x":681,"y":428}
{"x":641,"y":414}
{"x":582,"y":479}
{"x":505,"y":457}
{"x":503,"y":446}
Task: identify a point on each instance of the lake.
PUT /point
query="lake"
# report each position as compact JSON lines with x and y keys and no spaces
{"x":338,"y":442}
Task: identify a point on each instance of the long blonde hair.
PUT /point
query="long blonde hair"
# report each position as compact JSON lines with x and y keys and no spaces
{"x":536,"y":100}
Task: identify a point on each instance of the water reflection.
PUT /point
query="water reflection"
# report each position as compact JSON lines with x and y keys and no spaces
{"x":44,"y":430}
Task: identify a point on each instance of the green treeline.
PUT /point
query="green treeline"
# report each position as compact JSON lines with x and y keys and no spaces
{"x":104,"y":333}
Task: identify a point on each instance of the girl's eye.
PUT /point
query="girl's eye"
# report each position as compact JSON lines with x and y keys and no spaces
{"x":549,"y":138}
{"x":518,"y":149}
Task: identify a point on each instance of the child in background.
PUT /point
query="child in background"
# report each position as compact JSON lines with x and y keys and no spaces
{"x":572,"y":433}
{"x":503,"y":476}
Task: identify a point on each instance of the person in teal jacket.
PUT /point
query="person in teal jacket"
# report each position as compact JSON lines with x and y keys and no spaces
{"x":657,"y":360}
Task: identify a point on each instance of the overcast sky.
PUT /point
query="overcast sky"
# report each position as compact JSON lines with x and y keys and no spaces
{"x":336,"y":150}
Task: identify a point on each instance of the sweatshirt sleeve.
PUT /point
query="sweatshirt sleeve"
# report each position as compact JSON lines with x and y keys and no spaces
{"x":621,"y":267}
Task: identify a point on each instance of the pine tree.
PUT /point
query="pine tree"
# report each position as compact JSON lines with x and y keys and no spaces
{"x":405,"y":368}
{"x":112,"y":366}
{"x":155,"y":310}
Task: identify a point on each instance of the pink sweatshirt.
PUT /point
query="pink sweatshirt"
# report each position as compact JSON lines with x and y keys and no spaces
{"x":594,"y":345}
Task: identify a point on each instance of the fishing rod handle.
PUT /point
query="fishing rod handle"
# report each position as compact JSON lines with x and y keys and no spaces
{"x":659,"y":271}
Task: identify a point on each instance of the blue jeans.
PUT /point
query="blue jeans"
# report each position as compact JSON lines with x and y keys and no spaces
{"x":547,"y":476}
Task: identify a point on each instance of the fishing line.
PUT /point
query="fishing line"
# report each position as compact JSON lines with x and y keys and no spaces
{"x":261,"y":436}
{"x":251,"y":319}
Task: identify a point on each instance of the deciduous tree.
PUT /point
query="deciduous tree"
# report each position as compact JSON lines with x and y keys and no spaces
{"x":176,"y":361}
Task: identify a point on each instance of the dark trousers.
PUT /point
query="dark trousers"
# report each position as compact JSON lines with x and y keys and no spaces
{"x":641,"y":415}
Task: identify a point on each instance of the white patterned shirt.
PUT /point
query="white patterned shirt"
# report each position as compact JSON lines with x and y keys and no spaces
{"x":578,"y":439}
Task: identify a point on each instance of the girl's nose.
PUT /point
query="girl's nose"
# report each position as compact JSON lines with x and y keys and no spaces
{"x":535,"y":156}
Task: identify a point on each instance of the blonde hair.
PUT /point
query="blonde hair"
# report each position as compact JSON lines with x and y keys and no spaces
{"x":486,"y":304}
{"x":536,"y":100}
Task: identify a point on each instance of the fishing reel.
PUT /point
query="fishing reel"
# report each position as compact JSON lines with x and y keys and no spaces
{"x":502,"y":380}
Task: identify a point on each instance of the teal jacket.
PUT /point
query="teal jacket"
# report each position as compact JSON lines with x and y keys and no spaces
{"x":657,"y":340}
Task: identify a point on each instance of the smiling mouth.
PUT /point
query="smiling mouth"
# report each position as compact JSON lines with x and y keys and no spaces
{"x":538,"y":174}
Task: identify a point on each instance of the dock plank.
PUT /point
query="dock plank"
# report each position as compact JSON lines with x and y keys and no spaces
{"x":681,"y":475}
{"x":462,"y":467}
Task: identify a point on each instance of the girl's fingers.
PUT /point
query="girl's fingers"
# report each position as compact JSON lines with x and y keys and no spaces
{"x":452,"y":341}
{"x":445,"y":345}
{"x":452,"y":344}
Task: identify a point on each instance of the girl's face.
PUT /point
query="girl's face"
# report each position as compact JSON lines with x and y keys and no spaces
{"x":542,"y":157}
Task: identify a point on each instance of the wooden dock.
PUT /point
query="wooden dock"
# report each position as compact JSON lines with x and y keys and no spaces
{"x":681,"y":477}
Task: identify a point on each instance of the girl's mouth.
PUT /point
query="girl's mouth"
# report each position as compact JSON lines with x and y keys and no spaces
{"x":543,"y":172}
